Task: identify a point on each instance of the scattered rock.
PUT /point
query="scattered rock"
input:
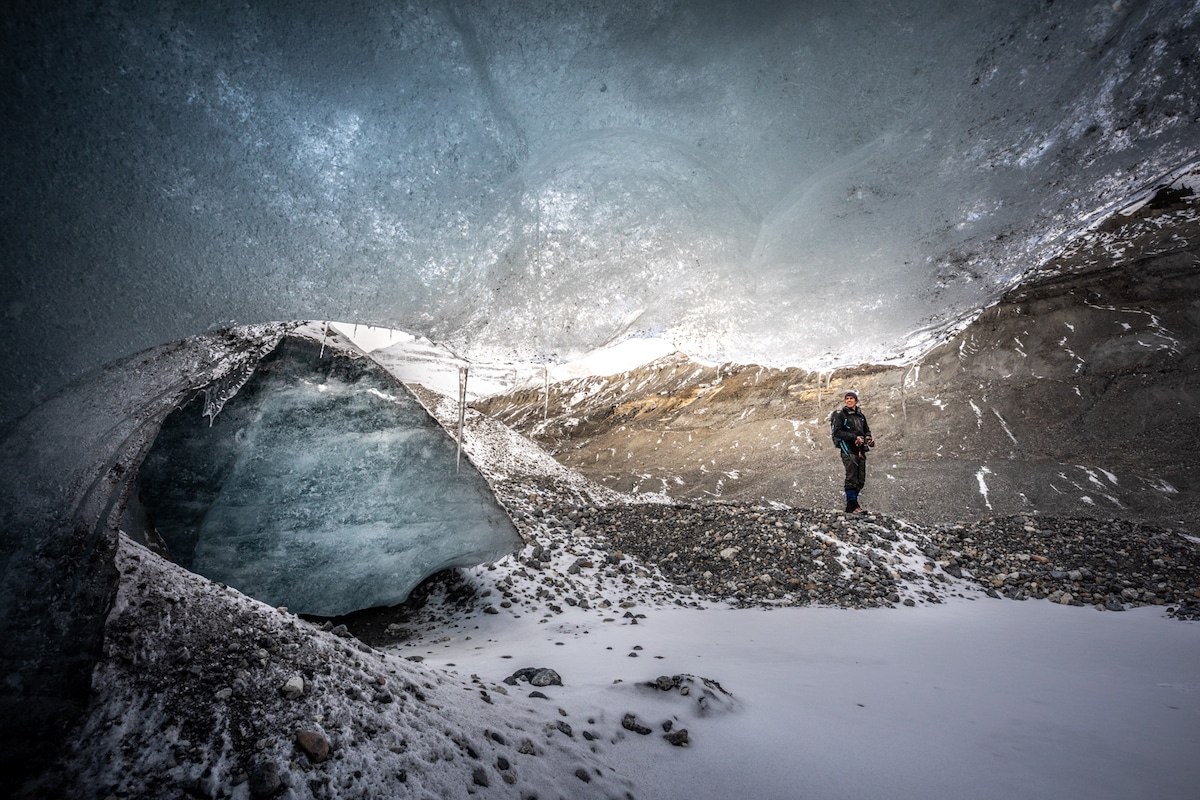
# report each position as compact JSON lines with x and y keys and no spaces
{"x":313,"y":744}
{"x":678,"y":738}
{"x":265,"y":779}
{"x":536,"y":676}
{"x":630,"y":723}
{"x":863,"y":561}
{"x":293,"y":688}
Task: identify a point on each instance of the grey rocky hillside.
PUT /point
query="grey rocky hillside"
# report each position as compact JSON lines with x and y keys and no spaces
{"x":1076,"y":395}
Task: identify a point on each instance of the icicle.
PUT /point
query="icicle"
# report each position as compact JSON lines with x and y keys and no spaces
{"x":324,"y":336}
{"x":462,"y":411}
{"x":546,"y":392}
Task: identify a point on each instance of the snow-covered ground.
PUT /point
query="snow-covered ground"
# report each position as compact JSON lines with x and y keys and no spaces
{"x":982,"y":699}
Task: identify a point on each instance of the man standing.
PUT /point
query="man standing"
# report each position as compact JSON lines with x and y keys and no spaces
{"x":852,"y":436}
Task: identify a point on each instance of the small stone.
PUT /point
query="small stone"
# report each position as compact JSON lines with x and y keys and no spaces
{"x":314,"y":745}
{"x":583,"y":775}
{"x":265,"y":779}
{"x":479,"y":777}
{"x":545,"y":677}
{"x":678,"y":738}
{"x":293,"y":688}
{"x":629,"y":722}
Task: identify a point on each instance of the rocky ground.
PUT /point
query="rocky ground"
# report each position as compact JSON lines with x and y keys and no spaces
{"x":591,"y":547}
{"x":752,"y":555}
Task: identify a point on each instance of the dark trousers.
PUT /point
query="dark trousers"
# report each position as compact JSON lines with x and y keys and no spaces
{"x":856,"y":472}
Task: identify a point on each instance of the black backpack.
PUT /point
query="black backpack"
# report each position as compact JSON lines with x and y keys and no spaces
{"x":835,"y":417}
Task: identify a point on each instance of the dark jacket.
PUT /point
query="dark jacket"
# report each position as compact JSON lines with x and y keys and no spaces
{"x":846,"y":425}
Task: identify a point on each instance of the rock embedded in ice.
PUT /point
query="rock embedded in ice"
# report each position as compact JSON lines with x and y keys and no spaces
{"x":536,"y":676}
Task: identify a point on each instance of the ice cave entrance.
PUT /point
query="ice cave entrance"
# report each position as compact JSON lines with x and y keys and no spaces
{"x":322,"y":485}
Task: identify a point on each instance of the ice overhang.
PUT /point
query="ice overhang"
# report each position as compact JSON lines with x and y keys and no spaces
{"x":801,"y":183}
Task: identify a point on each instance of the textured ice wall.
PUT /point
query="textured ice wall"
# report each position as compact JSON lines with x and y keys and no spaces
{"x":322,"y":485}
{"x":68,"y":481}
{"x":804,"y":182}
{"x":65,"y":472}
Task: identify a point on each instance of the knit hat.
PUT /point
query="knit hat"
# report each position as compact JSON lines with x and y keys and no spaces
{"x":851,"y":393}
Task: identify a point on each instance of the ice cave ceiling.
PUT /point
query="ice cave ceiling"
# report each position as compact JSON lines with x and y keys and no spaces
{"x":781,"y":182}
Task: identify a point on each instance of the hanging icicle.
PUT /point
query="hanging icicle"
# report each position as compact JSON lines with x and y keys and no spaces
{"x":462,"y":411}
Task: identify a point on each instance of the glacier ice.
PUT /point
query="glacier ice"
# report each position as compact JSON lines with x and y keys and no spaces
{"x":323,"y":485}
{"x":69,"y":473}
{"x":801,"y":183}
{"x":65,"y":472}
